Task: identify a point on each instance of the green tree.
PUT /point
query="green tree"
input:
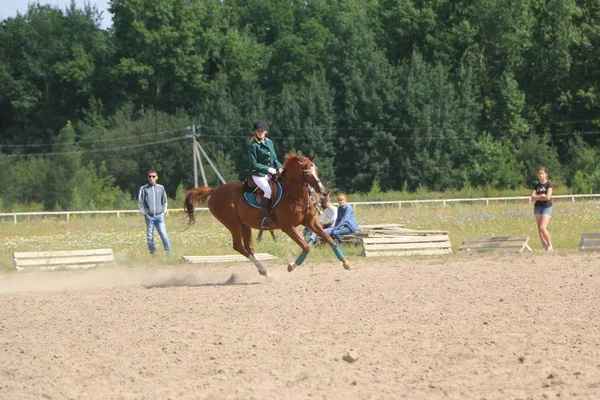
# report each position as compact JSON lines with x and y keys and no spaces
{"x":160,"y":62}
{"x":581,"y":158}
{"x":438,"y":125}
{"x":303,"y":121}
{"x":492,"y":164}
{"x":137,"y":142}
{"x":49,"y":69}
{"x":535,"y":152}
{"x":60,"y":187}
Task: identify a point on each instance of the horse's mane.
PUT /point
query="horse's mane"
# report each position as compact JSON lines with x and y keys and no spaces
{"x":289,"y":156}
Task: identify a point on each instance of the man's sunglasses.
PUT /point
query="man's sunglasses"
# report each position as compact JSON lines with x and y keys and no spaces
{"x":151,"y":176}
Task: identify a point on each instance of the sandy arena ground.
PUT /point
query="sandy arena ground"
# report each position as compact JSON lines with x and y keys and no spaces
{"x":456,"y":327}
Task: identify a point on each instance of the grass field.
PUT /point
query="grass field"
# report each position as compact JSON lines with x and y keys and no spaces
{"x":126,"y":235}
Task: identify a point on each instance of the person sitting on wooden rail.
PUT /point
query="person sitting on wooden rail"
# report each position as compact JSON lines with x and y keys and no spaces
{"x":345,"y":222}
{"x":327,"y":219}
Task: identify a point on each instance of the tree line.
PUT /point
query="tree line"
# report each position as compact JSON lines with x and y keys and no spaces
{"x":410,"y":94}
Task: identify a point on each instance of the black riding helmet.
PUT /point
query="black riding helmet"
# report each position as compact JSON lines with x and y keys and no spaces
{"x":260,"y":124}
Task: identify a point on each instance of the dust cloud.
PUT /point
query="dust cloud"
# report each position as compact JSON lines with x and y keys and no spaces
{"x":119,"y":276}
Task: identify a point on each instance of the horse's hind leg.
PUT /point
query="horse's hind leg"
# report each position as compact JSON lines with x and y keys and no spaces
{"x":236,"y":236}
{"x":249,"y":248}
{"x":247,"y":238}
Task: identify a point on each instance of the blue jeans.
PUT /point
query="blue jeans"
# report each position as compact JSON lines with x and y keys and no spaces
{"x":337,"y":235}
{"x":542,"y":210}
{"x":158,"y":222}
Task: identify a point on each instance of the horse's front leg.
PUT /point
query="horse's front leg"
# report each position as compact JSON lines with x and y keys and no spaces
{"x":297,"y":237}
{"x":318,"y":229}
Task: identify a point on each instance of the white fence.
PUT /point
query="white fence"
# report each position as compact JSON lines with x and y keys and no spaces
{"x":399,"y":203}
{"x":487,"y":200}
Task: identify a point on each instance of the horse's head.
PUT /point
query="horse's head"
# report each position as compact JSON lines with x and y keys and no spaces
{"x":303,"y":170}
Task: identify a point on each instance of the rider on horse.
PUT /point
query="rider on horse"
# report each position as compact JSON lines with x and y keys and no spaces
{"x":263,"y":163}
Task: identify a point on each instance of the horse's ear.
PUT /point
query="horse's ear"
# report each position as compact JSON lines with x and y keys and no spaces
{"x":313,"y":156}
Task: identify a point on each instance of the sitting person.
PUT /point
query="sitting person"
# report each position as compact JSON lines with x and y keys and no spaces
{"x":345,"y":222}
{"x":327,"y":219}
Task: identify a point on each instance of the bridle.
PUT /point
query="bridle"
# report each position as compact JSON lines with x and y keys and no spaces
{"x":304,"y":183}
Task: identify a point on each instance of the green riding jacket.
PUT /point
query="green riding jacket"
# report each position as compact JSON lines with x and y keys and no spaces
{"x":262,"y":156}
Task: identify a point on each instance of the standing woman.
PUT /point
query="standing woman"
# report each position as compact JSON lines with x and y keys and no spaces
{"x":263,"y":161}
{"x":542,"y":195}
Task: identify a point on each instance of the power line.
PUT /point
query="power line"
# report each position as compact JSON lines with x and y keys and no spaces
{"x":408,"y":138}
{"x":403,"y":128}
{"x":65,"y":153}
{"x":311,"y":129}
{"x":94,"y":141}
{"x":277,"y":138}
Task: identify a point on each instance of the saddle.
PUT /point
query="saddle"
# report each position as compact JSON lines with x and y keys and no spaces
{"x":253,"y":194}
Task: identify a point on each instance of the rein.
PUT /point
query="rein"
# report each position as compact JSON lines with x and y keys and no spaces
{"x":303,"y":183}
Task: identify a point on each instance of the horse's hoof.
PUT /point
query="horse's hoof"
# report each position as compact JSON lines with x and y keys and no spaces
{"x":264,"y":272}
{"x":291,"y":267}
{"x":347,"y":267}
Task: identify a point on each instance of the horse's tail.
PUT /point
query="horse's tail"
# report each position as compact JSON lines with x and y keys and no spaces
{"x":193,"y":197}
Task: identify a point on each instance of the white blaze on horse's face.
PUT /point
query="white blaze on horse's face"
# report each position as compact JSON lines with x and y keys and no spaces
{"x":313,"y":179}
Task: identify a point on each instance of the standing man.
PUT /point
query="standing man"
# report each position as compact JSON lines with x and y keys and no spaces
{"x":152,"y":202}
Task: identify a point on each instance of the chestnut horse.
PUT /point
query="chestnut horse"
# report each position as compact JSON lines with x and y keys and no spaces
{"x":297,"y":206}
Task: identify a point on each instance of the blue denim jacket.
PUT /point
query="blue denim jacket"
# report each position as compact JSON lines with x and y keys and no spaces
{"x":345,"y":217}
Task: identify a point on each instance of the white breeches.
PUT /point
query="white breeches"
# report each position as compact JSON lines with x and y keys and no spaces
{"x":313,"y":237}
{"x":263,"y":183}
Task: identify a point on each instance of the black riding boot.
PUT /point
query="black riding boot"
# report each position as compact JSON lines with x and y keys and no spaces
{"x":264,"y":204}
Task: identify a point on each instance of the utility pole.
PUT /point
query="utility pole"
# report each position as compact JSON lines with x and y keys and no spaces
{"x":197,"y":159}
{"x":194,"y":154}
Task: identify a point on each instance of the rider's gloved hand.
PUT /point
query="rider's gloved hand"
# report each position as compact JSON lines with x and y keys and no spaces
{"x":279,"y":171}
{"x":271,"y":171}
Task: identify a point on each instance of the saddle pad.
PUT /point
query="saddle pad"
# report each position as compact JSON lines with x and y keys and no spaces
{"x":251,"y":197}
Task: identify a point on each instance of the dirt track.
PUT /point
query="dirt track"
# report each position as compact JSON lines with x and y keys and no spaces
{"x":507,"y":327}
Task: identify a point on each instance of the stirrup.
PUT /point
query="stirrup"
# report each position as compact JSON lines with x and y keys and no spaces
{"x":265,"y":223}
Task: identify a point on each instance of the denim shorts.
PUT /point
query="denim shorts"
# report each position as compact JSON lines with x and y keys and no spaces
{"x":542,"y":210}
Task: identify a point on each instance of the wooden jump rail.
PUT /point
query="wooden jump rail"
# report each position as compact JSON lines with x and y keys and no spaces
{"x":395,"y":240}
{"x":590,"y":242}
{"x":226,"y":258}
{"x":69,"y":259}
{"x":425,"y":244}
{"x":372,"y":230}
{"x":501,"y":244}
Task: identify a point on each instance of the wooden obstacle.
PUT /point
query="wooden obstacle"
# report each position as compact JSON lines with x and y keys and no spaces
{"x":590,"y":242}
{"x":500,"y":244}
{"x":373,"y":230}
{"x":396,"y":240}
{"x":69,"y":259}
{"x":226,"y":258}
